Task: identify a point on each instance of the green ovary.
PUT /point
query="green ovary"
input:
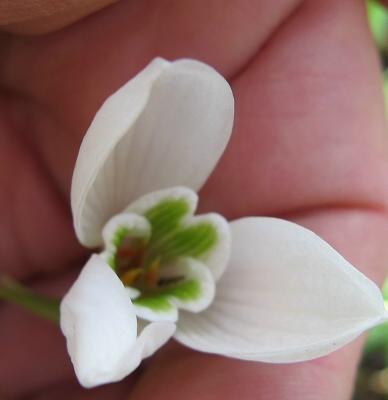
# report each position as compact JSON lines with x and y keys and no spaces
{"x":139,"y":262}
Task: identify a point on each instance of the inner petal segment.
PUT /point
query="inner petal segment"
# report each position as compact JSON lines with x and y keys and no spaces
{"x":161,"y":253}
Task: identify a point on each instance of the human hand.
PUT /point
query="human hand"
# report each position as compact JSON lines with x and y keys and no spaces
{"x":309,"y":144}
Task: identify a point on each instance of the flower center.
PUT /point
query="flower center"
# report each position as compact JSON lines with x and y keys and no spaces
{"x":134,"y":267}
{"x":160,"y":253}
{"x":139,"y":261}
{"x":128,"y":258}
{"x":137,"y":267}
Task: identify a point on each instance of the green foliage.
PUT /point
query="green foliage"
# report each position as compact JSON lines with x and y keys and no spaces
{"x":385,"y":88}
{"x":375,"y":357}
{"x":378,"y":22}
{"x":378,"y":336}
{"x":374,"y":362}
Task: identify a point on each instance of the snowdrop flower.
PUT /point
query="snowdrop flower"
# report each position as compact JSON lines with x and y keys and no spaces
{"x":260,"y":289}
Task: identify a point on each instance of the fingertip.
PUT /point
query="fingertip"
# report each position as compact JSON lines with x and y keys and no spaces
{"x":44,"y":16}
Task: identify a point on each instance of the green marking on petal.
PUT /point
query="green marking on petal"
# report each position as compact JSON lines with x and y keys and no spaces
{"x":165,"y":217}
{"x":111,"y":262}
{"x":192,"y":241}
{"x":119,"y":235}
{"x":155,"y":303}
{"x":139,"y":261}
{"x":158,"y":300}
{"x":185,"y":291}
{"x":169,"y":239}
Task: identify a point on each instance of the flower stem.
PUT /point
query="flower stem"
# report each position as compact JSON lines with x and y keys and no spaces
{"x":14,"y":292}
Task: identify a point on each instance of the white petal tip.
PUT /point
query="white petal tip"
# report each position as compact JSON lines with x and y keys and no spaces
{"x":99,"y":323}
{"x":167,"y":126}
{"x":286,"y":296}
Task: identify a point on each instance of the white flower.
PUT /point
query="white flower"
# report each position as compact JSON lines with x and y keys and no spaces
{"x":260,"y":289}
{"x":100,"y":325}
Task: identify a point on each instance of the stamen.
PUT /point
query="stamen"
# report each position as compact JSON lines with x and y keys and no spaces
{"x":130,"y":253}
{"x":151,"y":276}
{"x":130,"y":276}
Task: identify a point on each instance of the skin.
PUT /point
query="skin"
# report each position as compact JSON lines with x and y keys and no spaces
{"x":309,"y":144}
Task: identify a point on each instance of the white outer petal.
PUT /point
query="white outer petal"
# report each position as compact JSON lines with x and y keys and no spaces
{"x":152,"y":337}
{"x":99,"y":323}
{"x":168,"y":126}
{"x":100,"y":326}
{"x":286,"y":296}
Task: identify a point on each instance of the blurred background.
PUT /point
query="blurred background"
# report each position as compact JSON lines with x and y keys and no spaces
{"x":372,"y":380}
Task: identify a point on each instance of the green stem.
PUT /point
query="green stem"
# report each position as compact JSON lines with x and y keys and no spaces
{"x":16,"y":293}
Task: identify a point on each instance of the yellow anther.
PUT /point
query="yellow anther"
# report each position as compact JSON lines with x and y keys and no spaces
{"x":151,"y":276}
{"x":130,"y":276}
